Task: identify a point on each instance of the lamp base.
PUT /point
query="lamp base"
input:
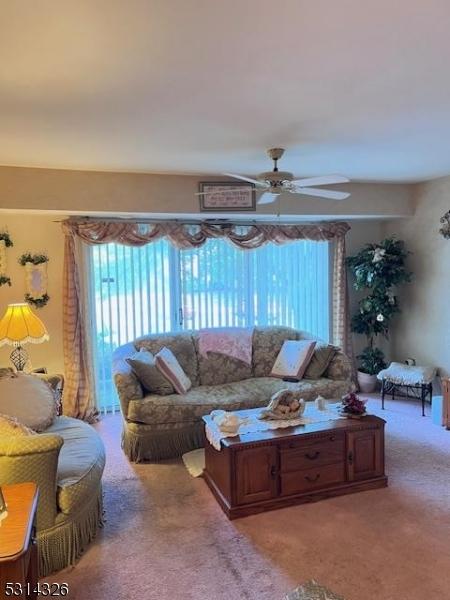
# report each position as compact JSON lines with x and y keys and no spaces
{"x":19,"y":357}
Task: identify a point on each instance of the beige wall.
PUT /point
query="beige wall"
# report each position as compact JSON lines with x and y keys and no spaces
{"x":99,"y":192}
{"x":422,"y":330}
{"x":36,"y":234}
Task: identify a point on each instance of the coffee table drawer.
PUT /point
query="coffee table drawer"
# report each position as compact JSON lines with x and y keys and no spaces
{"x":310,"y":479}
{"x":312,"y":456}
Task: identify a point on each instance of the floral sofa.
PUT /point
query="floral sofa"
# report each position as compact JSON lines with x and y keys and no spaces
{"x":157,"y":427}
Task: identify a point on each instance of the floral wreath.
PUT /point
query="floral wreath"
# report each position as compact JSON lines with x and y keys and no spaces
{"x":35,"y":259}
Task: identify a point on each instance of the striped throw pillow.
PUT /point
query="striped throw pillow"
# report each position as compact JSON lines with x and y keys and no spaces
{"x":169,"y":366}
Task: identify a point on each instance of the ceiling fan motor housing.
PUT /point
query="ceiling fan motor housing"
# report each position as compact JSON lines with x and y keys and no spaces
{"x":276,"y":178}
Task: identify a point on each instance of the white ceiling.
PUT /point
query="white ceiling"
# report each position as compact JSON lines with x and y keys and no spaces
{"x":360,"y":88}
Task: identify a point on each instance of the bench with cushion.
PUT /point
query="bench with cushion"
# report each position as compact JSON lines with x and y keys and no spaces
{"x":157,"y":427}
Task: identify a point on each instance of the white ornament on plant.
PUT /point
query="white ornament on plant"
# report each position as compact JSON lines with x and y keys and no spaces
{"x":378,"y":255}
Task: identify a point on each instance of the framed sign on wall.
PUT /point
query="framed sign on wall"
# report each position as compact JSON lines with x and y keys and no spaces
{"x":227,"y":196}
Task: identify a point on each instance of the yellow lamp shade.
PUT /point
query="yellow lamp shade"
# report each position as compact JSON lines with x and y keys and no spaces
{"x":20,"y":325}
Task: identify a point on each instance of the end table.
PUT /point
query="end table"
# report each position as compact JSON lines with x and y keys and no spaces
{"x":18,"y":550}
{"x":446,"y":392}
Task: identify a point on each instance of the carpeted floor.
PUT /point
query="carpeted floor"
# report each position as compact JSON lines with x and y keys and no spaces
{"x":166,"y":538}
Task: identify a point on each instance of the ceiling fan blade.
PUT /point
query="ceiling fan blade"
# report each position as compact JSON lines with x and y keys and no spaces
{"x":330,"y":194}
{"x":229,"y":189}
{"x":267,"y":198}
{"x":249,"y":179}
{"x":323,"y":180}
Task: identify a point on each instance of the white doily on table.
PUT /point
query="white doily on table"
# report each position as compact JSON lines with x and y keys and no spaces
{"x":252,"y":424}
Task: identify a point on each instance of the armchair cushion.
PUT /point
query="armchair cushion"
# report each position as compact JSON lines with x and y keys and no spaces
{"x":80,"y":465}
{"x":29,"y":399}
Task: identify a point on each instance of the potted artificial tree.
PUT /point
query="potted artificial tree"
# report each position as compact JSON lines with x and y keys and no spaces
{"x":377,"y":268}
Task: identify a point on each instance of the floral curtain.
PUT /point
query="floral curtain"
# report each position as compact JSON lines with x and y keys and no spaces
{"x":78,"y":397}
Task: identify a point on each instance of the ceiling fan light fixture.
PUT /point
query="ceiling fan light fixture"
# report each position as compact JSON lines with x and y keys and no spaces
{"x":276,"y":191}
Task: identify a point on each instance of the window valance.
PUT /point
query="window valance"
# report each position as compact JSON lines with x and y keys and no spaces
{"x":190,"y":236}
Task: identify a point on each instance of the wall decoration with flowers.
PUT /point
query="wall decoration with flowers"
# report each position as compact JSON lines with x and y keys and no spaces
{"x":5,"y":242}
{"x":36,"y":279}
{"x":377,"y":268}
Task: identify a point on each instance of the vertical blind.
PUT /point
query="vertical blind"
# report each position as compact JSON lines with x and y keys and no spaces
{"x":157,"y":288}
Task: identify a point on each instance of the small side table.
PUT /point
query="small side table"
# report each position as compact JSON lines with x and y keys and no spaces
{"x":390,"y":387}
{"x":412,"y":377}
{"x":18,"y":549}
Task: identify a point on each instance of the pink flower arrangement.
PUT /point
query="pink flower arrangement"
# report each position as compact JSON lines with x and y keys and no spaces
{"x":353,"y":405}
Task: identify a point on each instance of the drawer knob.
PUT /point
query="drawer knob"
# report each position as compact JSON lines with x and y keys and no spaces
{"x":312,"y":456}
{"x":312,"y":479}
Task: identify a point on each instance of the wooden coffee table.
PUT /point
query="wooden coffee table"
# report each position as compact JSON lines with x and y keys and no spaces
{"x":261,"y":471}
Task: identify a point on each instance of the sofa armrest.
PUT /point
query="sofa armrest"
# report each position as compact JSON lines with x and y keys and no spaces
{"x":127,"y":384}
{"x":33,"y":458}
{"x":340,"y":368}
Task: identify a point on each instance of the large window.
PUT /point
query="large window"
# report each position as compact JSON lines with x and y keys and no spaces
{"x":157,"y":288}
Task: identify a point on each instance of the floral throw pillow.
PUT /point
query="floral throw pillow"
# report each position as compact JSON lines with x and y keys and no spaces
{"x":322,"y":356}
{"x":293,"y":359}
{"x":171,"y":369}
{"x":144,"y":367}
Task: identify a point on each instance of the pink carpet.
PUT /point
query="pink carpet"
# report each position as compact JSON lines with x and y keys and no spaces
{"x":166,"y":538}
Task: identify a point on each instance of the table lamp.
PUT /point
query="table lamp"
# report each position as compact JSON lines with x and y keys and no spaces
{"x":18,"y":326}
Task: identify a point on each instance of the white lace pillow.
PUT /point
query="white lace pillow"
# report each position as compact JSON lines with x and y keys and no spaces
{"x":293,"y":359}
{"x":11,"y":427}
{"x":168,"y":365}
{"x":28,"y":399}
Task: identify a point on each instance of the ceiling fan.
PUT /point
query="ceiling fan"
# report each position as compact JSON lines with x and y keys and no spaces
{"x":273,"y":183}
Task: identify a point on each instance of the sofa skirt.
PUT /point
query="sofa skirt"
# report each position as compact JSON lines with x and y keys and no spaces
{"x":159,"y":445}
{"x":62,"y":545}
